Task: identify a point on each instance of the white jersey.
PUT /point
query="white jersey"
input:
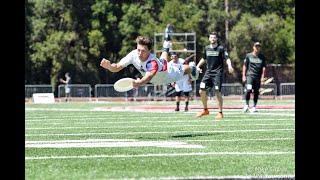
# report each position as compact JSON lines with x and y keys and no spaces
{"x":183,"y":84}
{"x":163,"y":75}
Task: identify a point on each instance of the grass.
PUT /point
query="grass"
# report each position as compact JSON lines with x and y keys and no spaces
{"x":260,"y":144}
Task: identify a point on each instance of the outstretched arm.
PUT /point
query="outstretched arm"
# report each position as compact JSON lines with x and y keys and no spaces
{"x":62,"y":81}
{"x":111,"y":67}
{"x":187,"y":59}
{"x":144,"y":80}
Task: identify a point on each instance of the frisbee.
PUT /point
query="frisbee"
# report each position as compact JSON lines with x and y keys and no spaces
{"x":124,"y":84}
{"x":268,"y":81}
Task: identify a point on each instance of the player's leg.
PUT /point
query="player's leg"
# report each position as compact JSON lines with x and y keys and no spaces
{"x":217,"y":88}
{"x":186,"y":100}
{"x":205,"y":85}
{"x":166,"y":47}
{"x":178,"y":98}
{"x":256,"y":87}
{"x":247,"y":93}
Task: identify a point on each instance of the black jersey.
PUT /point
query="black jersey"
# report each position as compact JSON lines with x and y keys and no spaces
{"x":254,"y":65}
{"x":214,"y":58}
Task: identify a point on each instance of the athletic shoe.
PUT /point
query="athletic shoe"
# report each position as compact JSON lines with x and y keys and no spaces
{"x":177,"y":109}
{"x":253,"y":109}
{"x":203,"y":113}
{"x":219,"y":115}
{"x":194,"y":71}
{"x":167,"y":32}
{"x":167,"y":45}
{"x":186,"y":109}
{"x":245,"y":108}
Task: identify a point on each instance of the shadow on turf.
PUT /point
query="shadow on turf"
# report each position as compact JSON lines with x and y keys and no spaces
{"x":194,"y":135}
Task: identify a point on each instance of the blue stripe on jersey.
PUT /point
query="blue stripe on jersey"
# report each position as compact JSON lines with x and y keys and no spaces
{"x":152,"y":65}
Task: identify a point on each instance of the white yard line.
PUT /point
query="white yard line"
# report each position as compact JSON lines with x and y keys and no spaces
{"x":106,"y":144}
{"x":162,"y":132}
{"x":153,"y":121}
{"x":235,"y":177}
{"x":134,"y":140}
{"x":144,"y":118}
{"x":236,"y":140}
{"x":161,"y":155}
{"x":152,"y":126}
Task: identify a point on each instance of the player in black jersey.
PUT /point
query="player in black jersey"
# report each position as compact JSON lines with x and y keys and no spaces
{"x":214,"y":55}
{"x":253,"y":71}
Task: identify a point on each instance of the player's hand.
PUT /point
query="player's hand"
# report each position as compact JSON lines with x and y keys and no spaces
{"x":136,"y":83}
{"x":230,"y":69}
{"x":244,"y":79}
{"x":199,"y":69}
{"x":105,"y":63}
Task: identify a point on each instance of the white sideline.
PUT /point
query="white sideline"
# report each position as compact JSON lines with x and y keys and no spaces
{"x":159,"y":155}
{"x":119,"y":143}
{"x":154,"y":121}
{"x":153,"y":126}
{"x":275,"y":177}
{"x":131,"y":140}
{"x":104,"y":120}
{"x":162,"y":132}
{"x":94,"y":143}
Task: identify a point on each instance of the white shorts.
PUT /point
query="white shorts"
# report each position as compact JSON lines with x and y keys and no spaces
{"x":165,"y":77}
{"x":183,"y":84}
{"x":67,"y":90}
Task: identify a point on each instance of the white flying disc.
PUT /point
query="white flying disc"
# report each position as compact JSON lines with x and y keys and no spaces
{"x":124,"y":84}
{"x":268,"y":80}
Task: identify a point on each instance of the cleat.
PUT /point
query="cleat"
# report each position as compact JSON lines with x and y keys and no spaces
{"x":177,"y":109}
{"x":219,"y":115}
{"x":202,"y":113}
{"x":253,"y":110}
{"x":167,"y":32}
{"x":245,"y":108}
{"x":186,"y":109}
{"x":167,"y":44}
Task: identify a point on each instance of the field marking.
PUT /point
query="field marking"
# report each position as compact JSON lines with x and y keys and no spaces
{"x":161,"y":155}
{"x":162,"y":132}
{"x":236,"y":140}
{"x":235,"y":177}
{"x":126,"y":108}
{"x":132,"y":140}
{"x":106,"y":117}
{"x":157,"y":121}
{"x":106,"y":143}
{"x":178,"y":115}
{"x":152,"y":126}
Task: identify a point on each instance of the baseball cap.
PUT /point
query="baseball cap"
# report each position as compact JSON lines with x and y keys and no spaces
{"x":257,"y":44}
{"x":173,"y":53}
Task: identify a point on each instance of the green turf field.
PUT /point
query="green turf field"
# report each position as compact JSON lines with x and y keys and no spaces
{"x":79,"y":141}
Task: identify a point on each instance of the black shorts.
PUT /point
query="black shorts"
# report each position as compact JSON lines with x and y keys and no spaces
{"x":180,"y":93}
{"x":211,"y":80}
{"x":255,"y":83}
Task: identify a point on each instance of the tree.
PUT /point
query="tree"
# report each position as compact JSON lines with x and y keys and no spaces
{"x":275,"y":35}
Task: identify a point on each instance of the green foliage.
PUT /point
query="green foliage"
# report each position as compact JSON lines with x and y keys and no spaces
{"x":96,"y":41}
{"x":74,"y":35}
{"x":270,"y":30}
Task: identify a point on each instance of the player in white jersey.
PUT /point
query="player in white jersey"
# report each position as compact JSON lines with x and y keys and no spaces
{"x":183,"y":85}
{"x":154,"y":70}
